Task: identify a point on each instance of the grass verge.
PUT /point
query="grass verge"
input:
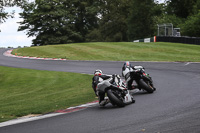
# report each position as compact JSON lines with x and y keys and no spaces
{"x":117,"y":51}
{"x":26,"y":91}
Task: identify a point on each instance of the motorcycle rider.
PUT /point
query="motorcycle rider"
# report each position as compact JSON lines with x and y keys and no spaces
{"x":99,"y":77}
{"x":126,"y":70}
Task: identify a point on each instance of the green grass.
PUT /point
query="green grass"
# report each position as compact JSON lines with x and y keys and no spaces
{"x":117,"y":51}
{"x":26,"y":91}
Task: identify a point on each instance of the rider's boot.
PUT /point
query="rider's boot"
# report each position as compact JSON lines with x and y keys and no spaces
{"x":104,"y":102}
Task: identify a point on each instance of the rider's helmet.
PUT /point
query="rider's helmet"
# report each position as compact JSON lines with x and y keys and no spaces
{"x":98,"y":72}
{"x":127,"y":64}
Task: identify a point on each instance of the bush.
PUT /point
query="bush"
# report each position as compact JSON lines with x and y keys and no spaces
{"x":191,"y":26}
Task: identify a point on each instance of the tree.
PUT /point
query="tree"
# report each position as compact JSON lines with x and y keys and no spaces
{"x":163,"y":17}
{"x":86,"y":18}
{"x":7,"y":3}
{"x":184,"y":14}
{"x":191,"y":26}
{"x":113,"y":19}
{"x":196,"y":7}
{"x":140,"y":21}
{"x":58,"y":21}
{"x":181,"y":8}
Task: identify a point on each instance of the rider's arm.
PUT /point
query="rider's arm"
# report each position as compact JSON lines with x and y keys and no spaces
{"x":104,"y":77}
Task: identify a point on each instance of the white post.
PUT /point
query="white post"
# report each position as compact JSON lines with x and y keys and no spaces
{"x":172,"y":30}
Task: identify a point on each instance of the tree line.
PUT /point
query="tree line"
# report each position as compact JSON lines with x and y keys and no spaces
{"x":66,"y":21}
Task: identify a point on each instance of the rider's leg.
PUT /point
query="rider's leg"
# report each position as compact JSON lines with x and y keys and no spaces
{"x":102,"y":100}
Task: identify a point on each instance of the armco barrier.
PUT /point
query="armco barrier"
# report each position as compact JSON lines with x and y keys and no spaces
{"x":152,"y":39}
{"x":187,"y":40}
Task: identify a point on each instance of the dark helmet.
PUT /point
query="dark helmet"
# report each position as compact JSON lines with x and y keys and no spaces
{"x":127,"y":64}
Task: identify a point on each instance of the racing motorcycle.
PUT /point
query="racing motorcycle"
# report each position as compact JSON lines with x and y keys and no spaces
{"x":116,"y":91}
{"x":138,"y":78}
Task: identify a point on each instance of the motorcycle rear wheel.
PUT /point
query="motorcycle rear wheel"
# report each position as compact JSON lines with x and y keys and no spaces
{"x":115,"y":98}
{"x":146,"y":86}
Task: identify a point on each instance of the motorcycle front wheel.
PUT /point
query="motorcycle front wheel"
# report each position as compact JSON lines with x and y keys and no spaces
{"x":115,"y":98}
{"x":146,"y":86}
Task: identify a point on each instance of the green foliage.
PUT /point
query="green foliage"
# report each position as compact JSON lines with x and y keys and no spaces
{"x":4,"y":15}
{"x":94,"y":36}
{"x":191,"y":26}
{"x":181,"y":8}
{"x":196,"y":7}
{"x":58,"y":21}
{"x":183,"y":14}
{"x":166,"y":18}
{"x":8,"y":3}
{"x":114,"y":14}
{"x":140,"y":21}
{"x":66,"y":21}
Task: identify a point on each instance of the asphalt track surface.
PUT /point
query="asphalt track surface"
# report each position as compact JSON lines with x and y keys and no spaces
{"x":173,"y":108}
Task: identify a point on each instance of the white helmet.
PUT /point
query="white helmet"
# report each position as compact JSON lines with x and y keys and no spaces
{"x":98,"y":72}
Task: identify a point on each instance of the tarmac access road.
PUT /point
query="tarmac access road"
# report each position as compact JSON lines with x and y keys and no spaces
{"x":173,"y":108}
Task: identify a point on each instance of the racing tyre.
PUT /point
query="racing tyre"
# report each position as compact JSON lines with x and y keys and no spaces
{"x":115,"y":99}
{"x":146,"y":86}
